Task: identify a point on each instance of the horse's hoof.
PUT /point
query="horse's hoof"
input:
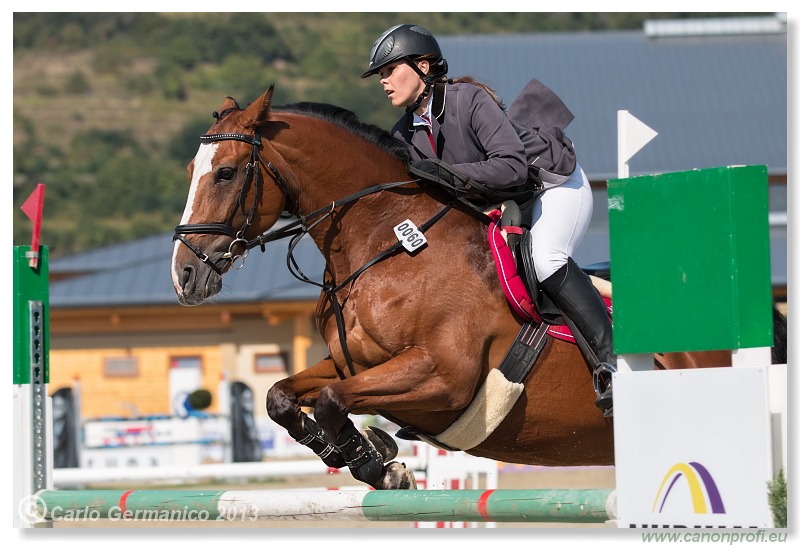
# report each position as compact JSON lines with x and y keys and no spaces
{"x":383,"y":442}
{"x":397,"y":476}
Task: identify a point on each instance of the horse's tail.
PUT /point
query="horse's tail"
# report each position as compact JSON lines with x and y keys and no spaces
{"x":779,"y":337}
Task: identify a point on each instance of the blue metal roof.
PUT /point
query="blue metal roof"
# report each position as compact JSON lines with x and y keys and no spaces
{"x":714,"y":100}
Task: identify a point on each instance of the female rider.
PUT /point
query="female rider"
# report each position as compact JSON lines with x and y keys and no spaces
{"x":462,"y":123}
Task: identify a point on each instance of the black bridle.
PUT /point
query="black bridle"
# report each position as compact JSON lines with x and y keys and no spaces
{"x":252,"y":178}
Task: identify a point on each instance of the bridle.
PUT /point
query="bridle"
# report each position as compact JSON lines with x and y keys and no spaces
{"x":252,"y":177}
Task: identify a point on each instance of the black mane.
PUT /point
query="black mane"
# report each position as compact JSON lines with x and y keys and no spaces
{"x":349,"y":121}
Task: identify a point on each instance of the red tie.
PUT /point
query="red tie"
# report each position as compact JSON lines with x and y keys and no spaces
{"x":429,"y":131}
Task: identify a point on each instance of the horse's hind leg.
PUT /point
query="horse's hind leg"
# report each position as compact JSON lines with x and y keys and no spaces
{"x":284,"y":400}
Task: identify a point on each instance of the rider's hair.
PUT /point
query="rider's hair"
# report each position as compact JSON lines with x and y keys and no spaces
{"x":467,"y":79}
{"x":487,"y":89}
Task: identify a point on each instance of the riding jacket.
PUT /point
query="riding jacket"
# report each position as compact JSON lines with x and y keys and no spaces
{"x":472,"y":134}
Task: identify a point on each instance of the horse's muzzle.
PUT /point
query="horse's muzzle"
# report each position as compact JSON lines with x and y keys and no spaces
{"x":196,"y":284}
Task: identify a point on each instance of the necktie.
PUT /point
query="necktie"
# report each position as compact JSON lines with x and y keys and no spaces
{"x":429,"y":131}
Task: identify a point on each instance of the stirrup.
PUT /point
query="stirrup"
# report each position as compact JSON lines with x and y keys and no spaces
{"x":601,"y":380}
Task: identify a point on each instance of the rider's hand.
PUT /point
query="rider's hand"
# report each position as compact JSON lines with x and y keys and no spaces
{"x":437,"y":173}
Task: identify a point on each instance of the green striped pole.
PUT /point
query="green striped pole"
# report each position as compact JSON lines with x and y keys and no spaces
{"x":503,"y":505}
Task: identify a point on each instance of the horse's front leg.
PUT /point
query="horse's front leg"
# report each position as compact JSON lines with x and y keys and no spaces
{"x":284,"y":400}
{"x":408,"y":381}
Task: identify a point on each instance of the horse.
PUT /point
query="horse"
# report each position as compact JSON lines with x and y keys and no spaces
{"x":413,"y":335}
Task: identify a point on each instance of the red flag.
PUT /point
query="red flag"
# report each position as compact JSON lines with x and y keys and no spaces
{"x":32,"y":207}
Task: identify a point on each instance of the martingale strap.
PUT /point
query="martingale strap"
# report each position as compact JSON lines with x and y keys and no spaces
{"x":331,"y":290}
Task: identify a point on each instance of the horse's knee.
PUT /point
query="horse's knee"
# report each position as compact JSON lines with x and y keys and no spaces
{"x":281,"y":407}
{"x":330,"y":411}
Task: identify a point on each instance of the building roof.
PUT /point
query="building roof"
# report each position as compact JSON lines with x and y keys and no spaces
{"x":715,"y":99}
{"x":138,"y":273}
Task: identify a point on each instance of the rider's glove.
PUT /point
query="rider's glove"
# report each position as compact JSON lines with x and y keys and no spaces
{"x":430,"y":169}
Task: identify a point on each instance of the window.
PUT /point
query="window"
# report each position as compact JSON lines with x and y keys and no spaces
{"x":116,"y":367}
{"x":185,"y":362}
{"x":270,"y":362}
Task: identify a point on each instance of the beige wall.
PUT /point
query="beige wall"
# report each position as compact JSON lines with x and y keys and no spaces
{"x":144,"y":393}
{"x":228,"y":350}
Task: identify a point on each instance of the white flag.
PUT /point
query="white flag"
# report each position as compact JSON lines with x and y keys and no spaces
{"x":633,"y":134}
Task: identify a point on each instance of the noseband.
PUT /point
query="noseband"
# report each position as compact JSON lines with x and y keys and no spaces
{"x":252,"y":178}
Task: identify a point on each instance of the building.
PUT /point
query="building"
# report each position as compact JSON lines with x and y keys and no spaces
{"x":715,"y":91}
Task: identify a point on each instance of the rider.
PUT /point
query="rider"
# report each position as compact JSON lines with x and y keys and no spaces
{"x":462,"y":123}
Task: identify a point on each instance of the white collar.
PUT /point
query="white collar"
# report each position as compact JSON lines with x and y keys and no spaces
{"x":425,"y":119}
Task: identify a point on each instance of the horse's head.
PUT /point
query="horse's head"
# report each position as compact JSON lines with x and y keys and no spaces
{"x":235,"y":195}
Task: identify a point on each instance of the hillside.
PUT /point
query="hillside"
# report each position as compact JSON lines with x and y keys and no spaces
{"x":108,"y":106}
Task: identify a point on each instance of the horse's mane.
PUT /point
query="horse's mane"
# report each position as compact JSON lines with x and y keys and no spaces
{"x":349,"y":121}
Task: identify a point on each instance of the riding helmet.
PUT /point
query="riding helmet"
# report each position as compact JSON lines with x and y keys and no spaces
{"x":402,"y":42}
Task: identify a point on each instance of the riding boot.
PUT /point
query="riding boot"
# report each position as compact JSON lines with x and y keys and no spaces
{"x":571,"y":290}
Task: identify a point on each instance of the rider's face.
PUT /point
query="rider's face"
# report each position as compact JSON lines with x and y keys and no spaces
{"x":401,"y":83}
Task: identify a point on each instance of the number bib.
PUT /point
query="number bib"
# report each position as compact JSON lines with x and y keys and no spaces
{"x":411,"y":237}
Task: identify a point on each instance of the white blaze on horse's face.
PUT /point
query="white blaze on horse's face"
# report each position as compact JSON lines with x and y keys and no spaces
{"x":202,"y":166}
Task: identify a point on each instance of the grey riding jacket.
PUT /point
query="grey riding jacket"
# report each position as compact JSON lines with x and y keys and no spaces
{"x":475,"y":136}
{"x":472,"y":134}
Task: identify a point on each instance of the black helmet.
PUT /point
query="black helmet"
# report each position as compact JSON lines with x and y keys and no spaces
{"x":402,"y":42}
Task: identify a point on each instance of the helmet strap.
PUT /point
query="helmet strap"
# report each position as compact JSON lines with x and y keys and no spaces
{"x":414,"y":106}
{"x":427,"y":79}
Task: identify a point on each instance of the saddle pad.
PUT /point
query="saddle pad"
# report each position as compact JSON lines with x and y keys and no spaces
{"x":513,"y":286}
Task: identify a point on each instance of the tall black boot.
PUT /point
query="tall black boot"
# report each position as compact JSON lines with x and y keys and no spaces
{"x":583,"y":308}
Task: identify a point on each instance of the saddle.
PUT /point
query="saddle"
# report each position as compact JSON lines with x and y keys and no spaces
{"x":510,"y":244}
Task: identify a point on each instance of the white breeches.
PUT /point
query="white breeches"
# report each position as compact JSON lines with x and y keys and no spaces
{"x":561,"y":216}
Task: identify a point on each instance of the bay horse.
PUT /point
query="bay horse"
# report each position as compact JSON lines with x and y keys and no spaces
{"x":413,"y":336}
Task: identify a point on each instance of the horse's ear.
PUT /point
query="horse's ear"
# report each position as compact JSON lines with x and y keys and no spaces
{"x":228,"y":104}
{"x":258,"y":111}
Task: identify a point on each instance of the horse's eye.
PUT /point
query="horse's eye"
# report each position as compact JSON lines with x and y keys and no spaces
{"x":226,"y":174}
